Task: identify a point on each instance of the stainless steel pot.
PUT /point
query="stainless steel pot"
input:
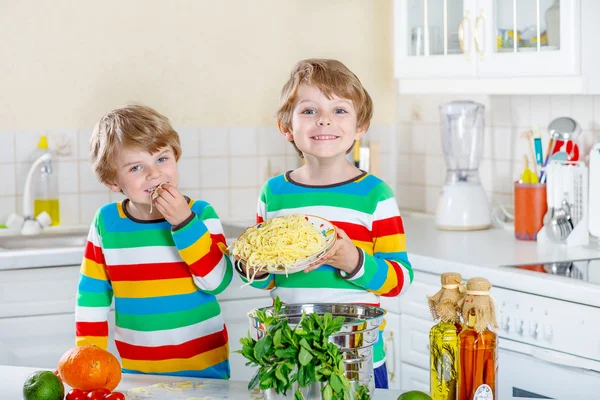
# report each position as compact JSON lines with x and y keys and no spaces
{"x":355,"y":339}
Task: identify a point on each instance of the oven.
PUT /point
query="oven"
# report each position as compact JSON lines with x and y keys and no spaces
{"x":549,"y":348}
{"x":532,"y":372}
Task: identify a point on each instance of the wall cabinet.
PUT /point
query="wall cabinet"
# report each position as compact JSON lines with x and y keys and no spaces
{"x":496,"y":46}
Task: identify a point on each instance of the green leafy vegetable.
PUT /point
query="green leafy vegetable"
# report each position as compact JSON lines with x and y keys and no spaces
{"x":303,"y":355}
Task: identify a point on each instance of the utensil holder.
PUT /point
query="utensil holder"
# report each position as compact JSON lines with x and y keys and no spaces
{"x":576,"y":175}
{"x":530,"y":207}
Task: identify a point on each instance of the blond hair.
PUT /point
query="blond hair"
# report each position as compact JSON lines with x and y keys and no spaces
{"x":132,"y":127}
{"x":331,"y":77}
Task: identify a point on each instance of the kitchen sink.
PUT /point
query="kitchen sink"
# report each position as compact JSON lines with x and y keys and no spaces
{"x":43,"y":241}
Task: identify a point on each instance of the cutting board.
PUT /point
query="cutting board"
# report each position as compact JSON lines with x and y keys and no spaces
{"x":195,"y":389}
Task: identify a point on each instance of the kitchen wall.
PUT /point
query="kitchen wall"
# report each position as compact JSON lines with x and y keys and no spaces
{"x":420,"y":164}
{"x":201,"y":62}
{"x":214,"y":68}
{"x":224,"y":166}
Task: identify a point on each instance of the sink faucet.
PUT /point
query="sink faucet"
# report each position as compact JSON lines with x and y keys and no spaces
{"x":27,"y":224}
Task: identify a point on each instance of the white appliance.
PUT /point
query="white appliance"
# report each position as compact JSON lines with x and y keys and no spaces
{"x":542,"y":339}
{"x":594,"y":192}
{"x":463,"y":204}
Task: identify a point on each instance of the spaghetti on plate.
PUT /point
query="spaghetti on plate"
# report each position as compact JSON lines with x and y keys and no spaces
{"x":278,"y":243}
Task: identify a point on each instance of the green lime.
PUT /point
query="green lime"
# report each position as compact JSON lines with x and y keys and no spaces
{"x":43,"y":385}
{"x":414,"y":395}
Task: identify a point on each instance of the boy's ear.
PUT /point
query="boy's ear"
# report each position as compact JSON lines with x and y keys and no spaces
{"x":113,"y":187}
{"x":285,"y":132}
{"x":360,"y":131}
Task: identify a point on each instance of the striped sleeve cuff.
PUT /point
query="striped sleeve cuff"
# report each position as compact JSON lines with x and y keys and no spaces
{"x":238,"y":267}
{"x":360,"y":268}
{"x":189,"y":219}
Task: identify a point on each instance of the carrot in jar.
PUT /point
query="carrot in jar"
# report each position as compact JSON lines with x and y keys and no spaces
{"x":490,"y":374}
{"x":467,"y":345}
{"x":479,"y":355}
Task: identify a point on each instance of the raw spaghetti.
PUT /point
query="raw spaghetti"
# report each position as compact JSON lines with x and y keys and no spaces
{"x":278,"y":243}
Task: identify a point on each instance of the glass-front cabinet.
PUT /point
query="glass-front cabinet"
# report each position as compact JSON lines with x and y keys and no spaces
{"x":486,"y":38}
{"x":434,"y":38}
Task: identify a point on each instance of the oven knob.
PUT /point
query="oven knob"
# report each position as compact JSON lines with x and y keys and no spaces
{"x":505,"y":322}
{"x":519,"y":326}
{"x":533,"y":329}
{"x":548,"y":332}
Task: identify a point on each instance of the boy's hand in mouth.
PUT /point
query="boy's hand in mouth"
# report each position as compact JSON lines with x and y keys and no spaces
{"x":171,"y":203}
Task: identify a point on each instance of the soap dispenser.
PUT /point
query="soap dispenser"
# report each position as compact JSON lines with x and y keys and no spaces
{"x":46,"y":189}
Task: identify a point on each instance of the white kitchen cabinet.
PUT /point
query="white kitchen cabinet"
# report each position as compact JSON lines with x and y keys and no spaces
{"x":36,"y":341}
{"x":38,"y":291}
{"x":37,"y":315}
{"x":414,"y":347}
{"x":414,"y":378}
{"x":40,"y":341}
{"x":411,"y":355}
{"x":431,"y":40}
{"x":391,"y":338}
{"x":37,"y":320}
{"x":468,"y":46}
{"x":236,"y":319}
{"x":500,"y":56}
{"x":235,"y":303}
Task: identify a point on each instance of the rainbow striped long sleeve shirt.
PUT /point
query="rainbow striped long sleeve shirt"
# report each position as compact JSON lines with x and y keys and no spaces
{"x":164,"y":282}
{"x":365,"y":208}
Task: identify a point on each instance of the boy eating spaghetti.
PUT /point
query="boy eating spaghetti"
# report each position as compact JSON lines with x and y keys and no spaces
{"x":324,"y":110}
{"x":159,"y":252}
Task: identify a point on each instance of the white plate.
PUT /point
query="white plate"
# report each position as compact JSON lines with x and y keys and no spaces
{"x":326,"y":228}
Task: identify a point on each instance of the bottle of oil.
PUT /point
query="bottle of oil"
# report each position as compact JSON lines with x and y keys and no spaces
{"x":443,"y":338}
{"x":477,"y":344}
{"x":46,"y":187}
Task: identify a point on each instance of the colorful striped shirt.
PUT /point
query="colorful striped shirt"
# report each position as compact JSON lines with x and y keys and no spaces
{"x":365,"y":208}
{"x":164,"y":282}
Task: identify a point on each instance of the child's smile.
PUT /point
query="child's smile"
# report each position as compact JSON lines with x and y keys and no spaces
{"x":325,"y":137}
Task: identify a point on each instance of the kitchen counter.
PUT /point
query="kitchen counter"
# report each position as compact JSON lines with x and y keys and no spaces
{"x":12,"y":379}
{"x":493,"y":254}
{"x":488,"y":253}
{"x":485,"y":248}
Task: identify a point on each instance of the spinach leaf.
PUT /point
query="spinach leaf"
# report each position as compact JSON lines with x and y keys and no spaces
{"x":327,"y":392}
{"x":304,"y":357}
{"x":262,"y":347}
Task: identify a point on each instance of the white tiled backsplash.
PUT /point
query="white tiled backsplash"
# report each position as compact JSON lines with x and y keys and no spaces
{"x":227,"y":166}
{"x":421,"y":166}
{"x":224,"y":166}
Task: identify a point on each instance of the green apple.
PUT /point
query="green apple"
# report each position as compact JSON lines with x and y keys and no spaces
{"x":414,"y":395}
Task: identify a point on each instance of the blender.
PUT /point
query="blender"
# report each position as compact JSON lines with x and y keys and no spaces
{"x":463,"y":204}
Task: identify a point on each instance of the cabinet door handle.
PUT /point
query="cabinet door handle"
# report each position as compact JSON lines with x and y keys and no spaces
{"x":461,"y":36}
{"x":390,"y":356}
{"x":480,"y":47}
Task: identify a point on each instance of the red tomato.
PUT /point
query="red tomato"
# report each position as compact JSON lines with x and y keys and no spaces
{"x":115,"y":396}
{"x":98,"y":394}
{"x":76,"y":394}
